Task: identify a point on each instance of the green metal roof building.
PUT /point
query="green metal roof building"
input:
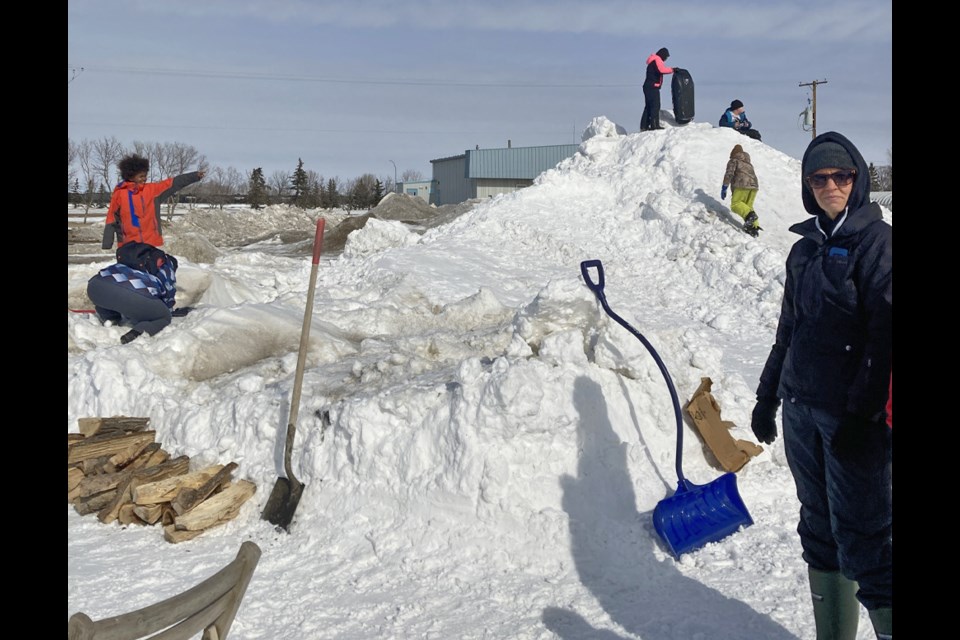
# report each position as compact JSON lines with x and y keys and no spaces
{"x":482,"y":173}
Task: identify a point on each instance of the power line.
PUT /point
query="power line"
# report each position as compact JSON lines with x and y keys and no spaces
{"x":372,"y":81}
{"x":142,"y":125}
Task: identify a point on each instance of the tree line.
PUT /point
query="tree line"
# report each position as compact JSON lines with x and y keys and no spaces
{"x":92,"y":173}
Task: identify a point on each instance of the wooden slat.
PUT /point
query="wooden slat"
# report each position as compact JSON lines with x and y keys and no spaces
{"x":219,"y":508}
{"x":92,"y":426}
{"x":105,"y":445}
{"x":166,"y":490}
{"x":188,"y":498}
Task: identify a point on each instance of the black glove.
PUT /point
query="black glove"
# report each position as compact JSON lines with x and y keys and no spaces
{"x":179,"y":312}
{"x":764,"y":422}
{"x":852,"y":434}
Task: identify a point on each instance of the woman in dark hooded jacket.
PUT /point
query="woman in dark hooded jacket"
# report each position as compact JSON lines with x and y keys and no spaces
{"x":651,"y":89}
{"x":831,"y":367}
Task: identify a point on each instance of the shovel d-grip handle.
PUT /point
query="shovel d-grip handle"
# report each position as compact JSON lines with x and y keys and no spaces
{"x":597,"y":288}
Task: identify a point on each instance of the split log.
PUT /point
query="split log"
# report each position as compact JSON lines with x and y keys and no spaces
{"x":217,"y":509}
{"x":93,"y":503}
{"x":167,"y":490}
{"x":168,"y":515}
{"x":172,"y":535}
{"x":74,"y":437}
{"x":133,"y":459}
{"x":128,"y":515}
{"x":168,"y":469}
{"x":93,"y":466}
{"x":123,"y":458}
{"x":74,"y":476}
{"x":156,"y":457}
{"x":148,"y":513}
{"x":188,"y":498}
{"x":94,"y":484}
{"x":116,"y":424}
{"x":105,"y":445}
{"x":97,"y":485}
{"x":109,"y":512}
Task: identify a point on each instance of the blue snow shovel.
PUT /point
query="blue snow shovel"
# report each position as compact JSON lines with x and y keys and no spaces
{"x":695,"y":514}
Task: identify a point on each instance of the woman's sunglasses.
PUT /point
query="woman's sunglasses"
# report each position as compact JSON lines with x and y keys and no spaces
{"x":840,"y":178}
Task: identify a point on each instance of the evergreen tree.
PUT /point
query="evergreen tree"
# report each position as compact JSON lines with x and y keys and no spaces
{"x":874,"y":178}
{"x":331,"y":197}
{"x":378,"y":192}
{"x":299,"y":181}
{"x":257,"y":192}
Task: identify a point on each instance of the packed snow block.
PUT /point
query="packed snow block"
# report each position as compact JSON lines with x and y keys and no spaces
{"x":705,"y":413}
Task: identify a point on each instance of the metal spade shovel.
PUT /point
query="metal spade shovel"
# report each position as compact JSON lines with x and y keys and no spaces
{"x":695,"y":514}
{"x":286,"y":493}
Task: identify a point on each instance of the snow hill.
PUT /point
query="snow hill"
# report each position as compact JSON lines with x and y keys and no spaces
{"x":495,"y":444}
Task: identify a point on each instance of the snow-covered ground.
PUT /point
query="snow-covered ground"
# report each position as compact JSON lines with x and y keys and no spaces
{"x":497,"y":443}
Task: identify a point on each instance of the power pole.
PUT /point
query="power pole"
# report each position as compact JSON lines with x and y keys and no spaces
{"x":814,"y":85}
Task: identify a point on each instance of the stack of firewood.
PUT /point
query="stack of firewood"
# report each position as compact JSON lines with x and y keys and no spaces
{"x":116,"y":470}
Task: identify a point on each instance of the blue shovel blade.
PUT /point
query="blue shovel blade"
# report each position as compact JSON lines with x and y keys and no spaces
{"x":698,"y":514}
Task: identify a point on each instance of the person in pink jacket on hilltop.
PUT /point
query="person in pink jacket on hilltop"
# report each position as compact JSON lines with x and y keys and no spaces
{"x":651,"y":89}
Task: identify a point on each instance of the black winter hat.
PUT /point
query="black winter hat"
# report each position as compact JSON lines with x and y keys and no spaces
{"x":663,"y":53}
{"x":736,"y":104}
{"x":827,"y":154}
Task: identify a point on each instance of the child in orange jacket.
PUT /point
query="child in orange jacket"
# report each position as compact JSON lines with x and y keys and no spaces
{"x":134,"y":212}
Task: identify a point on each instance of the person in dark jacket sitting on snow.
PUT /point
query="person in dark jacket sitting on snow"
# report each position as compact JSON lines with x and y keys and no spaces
{"x":831,"y":366}
{"x":140,"y":287}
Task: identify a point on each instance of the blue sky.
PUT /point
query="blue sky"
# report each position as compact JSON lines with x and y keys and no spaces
{"x":349,"y":86}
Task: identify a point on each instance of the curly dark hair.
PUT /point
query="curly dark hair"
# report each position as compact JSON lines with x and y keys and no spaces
{"x":132,"y":165}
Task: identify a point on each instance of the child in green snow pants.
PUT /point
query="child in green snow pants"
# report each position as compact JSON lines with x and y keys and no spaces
{"x":741,"y":202}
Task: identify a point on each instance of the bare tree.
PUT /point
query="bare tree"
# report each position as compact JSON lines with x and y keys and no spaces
{"x":219,"y":186}
{"x":71,"y":158}
{"x":159,"y":161}
{"x":147,"y":150}
{"x":85,"y":160}
{"x":314,"y":194}
{"x":411,"y":175}
{"x":106,"y":153}
{"x":179,"y":158}
{"x":280,"y":183}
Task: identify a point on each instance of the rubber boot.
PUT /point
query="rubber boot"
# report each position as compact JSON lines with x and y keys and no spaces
{"x":882,"y":620}
{"x":836,"y":609}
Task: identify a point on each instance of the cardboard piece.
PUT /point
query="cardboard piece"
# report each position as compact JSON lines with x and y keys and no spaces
{"x":705,"y":413}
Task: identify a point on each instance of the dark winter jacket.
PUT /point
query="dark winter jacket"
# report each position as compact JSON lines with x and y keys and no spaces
{"x":834,"y":339}
{"x":655,"y":70}
{"x":162,"y":286}
{"x":740,"y":173}
{"x":134,"y":212}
